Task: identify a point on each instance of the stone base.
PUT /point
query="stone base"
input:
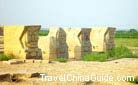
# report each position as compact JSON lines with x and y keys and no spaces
{"x":13,"y":61}
{"x":15,"y":76}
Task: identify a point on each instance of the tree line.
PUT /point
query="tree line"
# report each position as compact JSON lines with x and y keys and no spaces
{"x":132,"y":33}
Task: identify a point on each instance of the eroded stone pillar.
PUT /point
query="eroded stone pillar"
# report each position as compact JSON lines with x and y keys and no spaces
{"x":109,"y":38}
{"x":1,"y":39}
{"x":1,"y":31}
{"x":54,"y":45}
{"x":22,"y":41}
{"x":102,"y":38}
{"x":78,"y":41}
{"x":85,"y":40}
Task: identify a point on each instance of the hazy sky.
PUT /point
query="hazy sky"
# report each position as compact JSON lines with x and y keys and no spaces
{"x":70,"y":13}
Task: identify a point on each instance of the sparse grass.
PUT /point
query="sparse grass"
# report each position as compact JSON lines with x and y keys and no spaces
{"x":120,"y":52}
{"x":95,"y":57}
{"x":4,"y":57}
{"x":115,"y":53}
{"x":61,"y":59}
{"x":135,"y":81}
{"x":128,"y":42}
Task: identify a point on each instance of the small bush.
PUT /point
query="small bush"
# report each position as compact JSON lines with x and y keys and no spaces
{"x":135,"y":55}
{"x":62,"y":59}
{"x":120,"y":52}
{"x":95,"y":57}
{"x":5,"y":57}
{"x":135,"y":80}
{"x":115,"y":53}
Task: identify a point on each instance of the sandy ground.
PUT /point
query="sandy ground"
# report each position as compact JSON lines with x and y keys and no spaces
{"x":120,"y":68}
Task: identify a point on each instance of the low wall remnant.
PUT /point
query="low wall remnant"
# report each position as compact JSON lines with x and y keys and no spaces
{"x":22,"y":41}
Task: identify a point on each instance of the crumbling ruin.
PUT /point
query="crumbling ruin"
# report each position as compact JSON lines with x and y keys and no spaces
{"x":73,"y":43}
{"x":1,"y":31}
{"x":54,"y":45}
{"x":102,"y":38}
{"x":22,"y":41}
{"x":1,"y":39}
{"x":78,"y":41}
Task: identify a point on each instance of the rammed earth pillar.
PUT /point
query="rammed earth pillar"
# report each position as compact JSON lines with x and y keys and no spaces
{"x":22,"y":41}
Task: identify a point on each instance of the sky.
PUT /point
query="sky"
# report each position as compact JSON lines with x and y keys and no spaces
{"x":122,"y":14}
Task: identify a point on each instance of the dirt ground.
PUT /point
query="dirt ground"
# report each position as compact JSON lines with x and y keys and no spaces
{"x":120,"y":67}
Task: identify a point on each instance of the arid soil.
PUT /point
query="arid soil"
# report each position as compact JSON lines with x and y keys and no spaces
{"x":120,"y":67}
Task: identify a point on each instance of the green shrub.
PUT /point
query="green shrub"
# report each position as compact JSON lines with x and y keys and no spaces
{"x":115,"y":53}
{"x":135,"y":55}
{"x":135,"y":80}
{"x":120,"y":52}
{"x":61,"y":59}
{"x":5,"y":57}
{"x":95,"y":57}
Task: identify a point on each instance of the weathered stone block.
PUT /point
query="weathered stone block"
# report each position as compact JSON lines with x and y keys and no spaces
{"x":21,"y":40}
{"x":13,"y":61}
{"x":29,"y":60}
{"x":102,"y":38}
{"x":54,"y":45}
{"x":1,"y":31}
{"x":19,"y":75}
{"x":5,"y":77}
{"x":78,"y":41}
